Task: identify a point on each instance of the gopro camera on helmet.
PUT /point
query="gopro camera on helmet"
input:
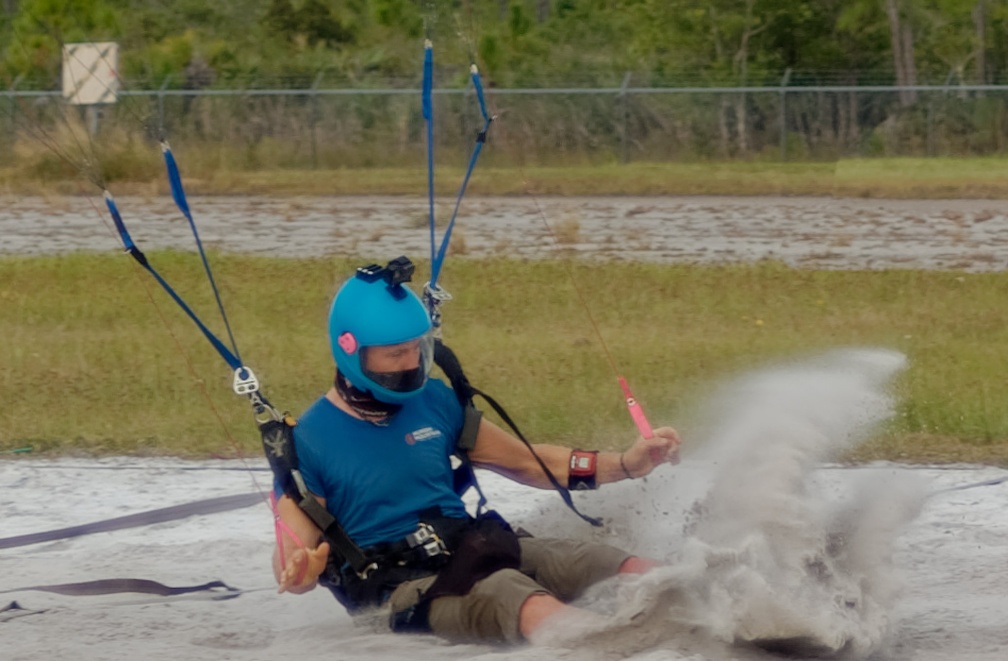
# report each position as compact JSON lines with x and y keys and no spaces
{"x":396,"y":272}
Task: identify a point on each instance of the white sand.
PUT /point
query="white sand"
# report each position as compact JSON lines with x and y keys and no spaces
{"x":742,"y":522}
{"x":748,"y":522}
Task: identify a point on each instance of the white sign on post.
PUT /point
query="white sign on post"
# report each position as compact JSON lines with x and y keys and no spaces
{"x":90,"y":73}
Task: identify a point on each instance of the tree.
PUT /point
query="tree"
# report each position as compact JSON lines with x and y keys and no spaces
{"x":901,"y":38}
{"x":979,"y":15}
{"x":41,"y":27}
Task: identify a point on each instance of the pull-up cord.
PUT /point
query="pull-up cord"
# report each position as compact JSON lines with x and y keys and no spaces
{"x":633,"y":406}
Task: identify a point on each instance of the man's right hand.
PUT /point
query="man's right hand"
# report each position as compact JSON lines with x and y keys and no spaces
{"x":303,"y":569}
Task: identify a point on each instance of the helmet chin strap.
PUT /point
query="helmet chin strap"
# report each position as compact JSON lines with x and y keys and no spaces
{"x":363,"y":402}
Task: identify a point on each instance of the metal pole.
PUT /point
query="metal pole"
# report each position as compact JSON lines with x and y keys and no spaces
{"x":624,"y":141}
{"x":160,"y":98}
{"x":13,"y":111}
{"x":313,"y":118}
{"x":91,"y":111}
{"x":783,"y":113}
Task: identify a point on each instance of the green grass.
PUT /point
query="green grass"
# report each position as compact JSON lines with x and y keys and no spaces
{"x":97,"y":359}
{"x":42,"y":173}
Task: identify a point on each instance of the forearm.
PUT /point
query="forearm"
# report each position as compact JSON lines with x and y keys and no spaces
{"x":608,"y":467}
{"x":297,"y":536}
{"x":502,"y":453}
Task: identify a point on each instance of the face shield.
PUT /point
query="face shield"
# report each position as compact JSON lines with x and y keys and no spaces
{"x":400,"y":368}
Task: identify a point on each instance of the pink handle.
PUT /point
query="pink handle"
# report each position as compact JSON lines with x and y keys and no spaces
{"x":637,"y":413}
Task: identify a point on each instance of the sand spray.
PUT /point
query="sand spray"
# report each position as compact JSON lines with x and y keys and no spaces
{"x":774,"y":553}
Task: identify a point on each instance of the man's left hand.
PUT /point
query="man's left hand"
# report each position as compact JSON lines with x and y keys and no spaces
{"x":648,"y":453}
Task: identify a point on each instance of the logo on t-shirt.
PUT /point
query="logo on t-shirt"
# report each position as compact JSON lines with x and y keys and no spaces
{"x":422,"y":434}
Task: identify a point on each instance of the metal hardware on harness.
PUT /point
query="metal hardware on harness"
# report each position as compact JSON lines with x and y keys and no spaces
{"x":427,"y":539}
{"x":434,"y":297}
{"x":245,"y":382}
{"x":436,"y":293}
{"x":262,"y":411}
{"x":366,"y":572}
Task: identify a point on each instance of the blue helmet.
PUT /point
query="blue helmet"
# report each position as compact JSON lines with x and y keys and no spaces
{"x":372,"y":309}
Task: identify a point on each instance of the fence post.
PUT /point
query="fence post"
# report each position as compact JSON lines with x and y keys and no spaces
{"x":13,"y":109}
{"x":313,"y":118}
{"x":783,"y":113}
{"x":624,"y":142}
{"x":160,"y":106}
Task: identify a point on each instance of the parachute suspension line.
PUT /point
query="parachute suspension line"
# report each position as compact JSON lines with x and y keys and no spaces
{"x":178,"y":194}
{"x":245,"y":382}
{"x":633,"y":406}
{"x":433,"y":294}
{"x":201,"y":384}
{"x":49,"y":141}
{"x":141,"y":259}
{"x":428,"y":115}
{"x":477,"y":149}
{"x":86,"y":161}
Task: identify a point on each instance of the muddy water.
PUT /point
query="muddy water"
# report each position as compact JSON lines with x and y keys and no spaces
{"x":810,"y":232}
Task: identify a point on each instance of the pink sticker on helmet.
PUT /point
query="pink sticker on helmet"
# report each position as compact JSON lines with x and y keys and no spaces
{"x":347,"y":342}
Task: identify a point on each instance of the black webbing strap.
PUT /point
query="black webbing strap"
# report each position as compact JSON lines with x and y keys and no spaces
{"x":140,"y":585}
{"x":208,"y":506}
{"x":278,"y":444}
{"x":562,"y":490}
{"x":449,"y":363}
{"x":14,"y":609}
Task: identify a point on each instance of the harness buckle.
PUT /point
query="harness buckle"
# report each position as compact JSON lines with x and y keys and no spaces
{"x":426,"y":539}
{"x":366,"y":572}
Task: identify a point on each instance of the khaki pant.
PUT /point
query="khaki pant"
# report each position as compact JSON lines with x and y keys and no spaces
{"x":489,"y":612}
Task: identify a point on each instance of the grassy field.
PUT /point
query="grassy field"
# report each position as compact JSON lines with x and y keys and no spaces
{"x":97,"y":359}
{"x":143,"y":173}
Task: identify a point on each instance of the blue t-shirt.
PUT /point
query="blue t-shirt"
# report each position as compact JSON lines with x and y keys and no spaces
{"x":376,"y":478}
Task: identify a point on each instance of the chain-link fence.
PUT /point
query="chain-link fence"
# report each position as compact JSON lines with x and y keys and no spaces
{"x":384,"y":127}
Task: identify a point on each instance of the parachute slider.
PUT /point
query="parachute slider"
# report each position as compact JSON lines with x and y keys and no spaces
{"x":245,"y":382}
